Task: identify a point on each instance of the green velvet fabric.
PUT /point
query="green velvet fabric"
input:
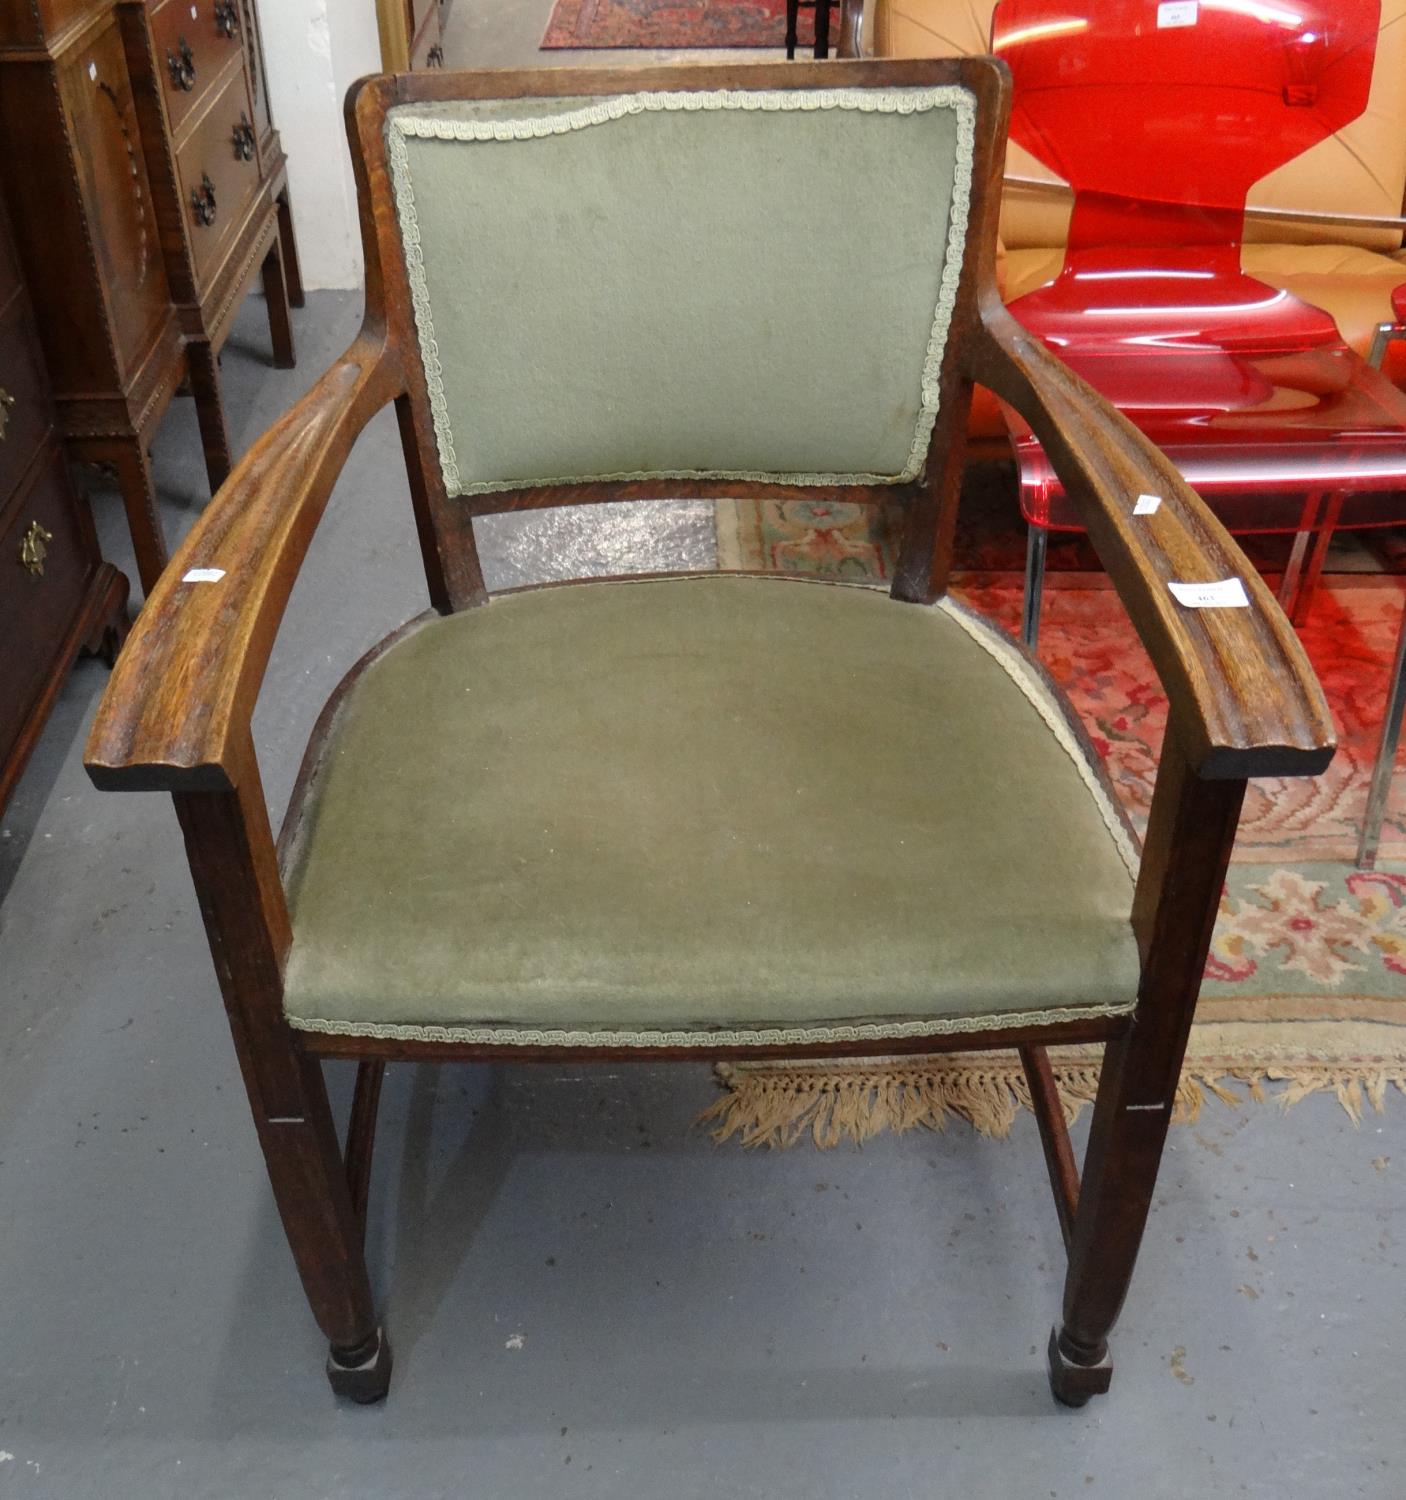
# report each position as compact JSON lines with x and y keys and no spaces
{"x":676,"y":810}
{"x":712,"y":291}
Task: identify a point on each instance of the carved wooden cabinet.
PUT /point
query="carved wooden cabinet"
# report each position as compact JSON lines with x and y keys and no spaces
{"x":148,"y":189}
{"x":57,"y":595}
{"x":85,"y":226}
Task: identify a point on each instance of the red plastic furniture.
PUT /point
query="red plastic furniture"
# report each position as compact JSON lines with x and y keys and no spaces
{"x":1161,"y":118}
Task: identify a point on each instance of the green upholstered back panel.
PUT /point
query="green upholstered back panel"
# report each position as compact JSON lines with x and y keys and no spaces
{"x":726,"y":283}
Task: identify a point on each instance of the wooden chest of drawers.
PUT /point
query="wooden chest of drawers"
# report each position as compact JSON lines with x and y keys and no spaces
{"x":57,"y":596}
{"x":148,"y":188}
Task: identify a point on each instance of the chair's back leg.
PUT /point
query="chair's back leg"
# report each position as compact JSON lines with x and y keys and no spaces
{"x":1189,"y":837}
{"x":361,"y":1133}
{"x":925,"y":557}
{"x":445,"y":528}
{"x":236,"y":879}
{"x":1048,"y":1110}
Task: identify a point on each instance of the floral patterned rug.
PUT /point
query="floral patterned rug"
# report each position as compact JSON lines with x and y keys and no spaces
{"x":670,"y":24}
{"x":1306,"y":982}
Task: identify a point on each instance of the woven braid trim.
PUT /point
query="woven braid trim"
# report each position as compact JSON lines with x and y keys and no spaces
{"x":1005,"y":654}
{"x":704,"y":1040}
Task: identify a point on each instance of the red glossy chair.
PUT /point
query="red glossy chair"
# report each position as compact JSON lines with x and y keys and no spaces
{"x":1161,"y":118}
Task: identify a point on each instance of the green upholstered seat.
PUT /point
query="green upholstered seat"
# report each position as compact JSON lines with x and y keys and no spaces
{"x":686,"y":811}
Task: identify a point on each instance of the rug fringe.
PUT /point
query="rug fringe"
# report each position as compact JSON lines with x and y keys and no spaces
{"x":776,"y":1104}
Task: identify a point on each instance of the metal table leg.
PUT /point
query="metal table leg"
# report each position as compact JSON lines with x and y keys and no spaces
{"x":1328,"y":516}
{"x":1293,"y":568}
{"x":1386,"y":758}
{"x":1037,"y":541}
{"x":1385,"y":763}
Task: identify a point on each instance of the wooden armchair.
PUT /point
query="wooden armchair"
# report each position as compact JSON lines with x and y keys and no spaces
{"x":571,"y":298}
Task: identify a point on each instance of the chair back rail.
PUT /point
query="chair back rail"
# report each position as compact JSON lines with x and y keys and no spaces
{"x":411,"y":284}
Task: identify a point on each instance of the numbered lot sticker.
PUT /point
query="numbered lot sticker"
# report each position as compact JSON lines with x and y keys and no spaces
{"x":1228,"y":593}
{"x":1176,"y":13}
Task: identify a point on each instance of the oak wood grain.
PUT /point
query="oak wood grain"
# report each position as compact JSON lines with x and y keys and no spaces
{"x":183,"y":692}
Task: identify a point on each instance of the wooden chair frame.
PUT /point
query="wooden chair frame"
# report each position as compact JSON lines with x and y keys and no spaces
{"x":1243,"y":702}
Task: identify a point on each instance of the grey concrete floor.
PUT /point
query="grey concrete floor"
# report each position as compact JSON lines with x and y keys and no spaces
{"x":586,"y":1296}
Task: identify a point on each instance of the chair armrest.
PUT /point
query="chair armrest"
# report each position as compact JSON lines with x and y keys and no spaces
{"x":1244,"y":699}
{"x":177,"y":710}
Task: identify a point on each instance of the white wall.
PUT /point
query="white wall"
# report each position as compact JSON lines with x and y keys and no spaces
{"x":315,"y":49}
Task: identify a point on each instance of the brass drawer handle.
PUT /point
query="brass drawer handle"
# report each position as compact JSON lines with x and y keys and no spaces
{"x":181,"y":62}
{"x":227,"y":18}
{"x":202,"y":201}
{"x":34,"y":549}
{"x":7,"y":402}
{"x":243,"y":139}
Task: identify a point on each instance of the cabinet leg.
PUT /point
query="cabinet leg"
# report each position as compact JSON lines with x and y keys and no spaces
{"x":134,"y":479}
{"x":276,"y":295}
{"x":110,"y":622}
{"x":292,"y":271}
{"x":204,"y":371}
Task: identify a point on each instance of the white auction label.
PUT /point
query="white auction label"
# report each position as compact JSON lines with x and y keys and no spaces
{"x":1176,"y":13}
{"x":1228,"y":593}
{"x":203,"y":575}
{"x":1147,"y":505}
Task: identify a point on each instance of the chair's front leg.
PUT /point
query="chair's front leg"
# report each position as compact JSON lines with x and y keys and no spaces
{"x":1189,"y":838}
{"x":236,"y":878}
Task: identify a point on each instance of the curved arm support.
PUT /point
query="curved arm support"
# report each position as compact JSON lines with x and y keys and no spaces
{"x":1244,"y":699}
{"x":176,"y":713}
